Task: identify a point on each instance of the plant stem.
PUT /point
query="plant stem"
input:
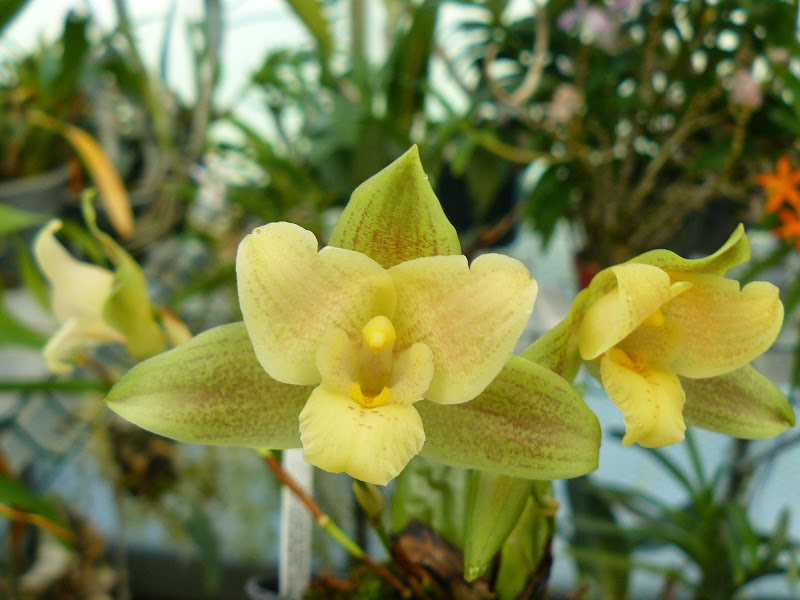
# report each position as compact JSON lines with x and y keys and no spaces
{"x":329,"y":526}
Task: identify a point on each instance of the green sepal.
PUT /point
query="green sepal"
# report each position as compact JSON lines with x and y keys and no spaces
{"x":128,"y":308}
{"x":733,"y":252}
{"x":394,"y":216}
{"x":528,"y":423}
{"x":211,"y":390}
{"x":494,"y":505}
{"x":742,"y":403}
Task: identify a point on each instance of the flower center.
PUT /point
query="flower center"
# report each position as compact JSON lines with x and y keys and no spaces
{"x":375,"y":363}
{"x":633,"y":361}
{"x":656,"y":319}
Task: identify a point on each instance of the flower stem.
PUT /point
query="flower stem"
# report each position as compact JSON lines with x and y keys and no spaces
{"x":329,"y":526}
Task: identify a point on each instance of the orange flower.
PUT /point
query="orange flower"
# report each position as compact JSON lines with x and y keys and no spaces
{"x":789,"y":228}
{"x":781,"y":185}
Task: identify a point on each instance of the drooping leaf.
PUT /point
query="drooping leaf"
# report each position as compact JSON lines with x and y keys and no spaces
{"x":106,"y":179}
{"x":211,"y":390}
{"x":394,"y":216}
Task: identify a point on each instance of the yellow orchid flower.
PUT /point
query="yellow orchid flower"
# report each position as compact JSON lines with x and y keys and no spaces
{"x":656,"y":326}
{"x":384,"y":344}
{"x":95,"y":305}
{"x":375,"y":341}
{"x":79,"y":291}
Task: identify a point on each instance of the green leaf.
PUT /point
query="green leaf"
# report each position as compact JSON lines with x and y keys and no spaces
{"x":588,"y":503}
{"x":13,"y":219}
{"x":310,"y":13}
{"x":199,"y":527}
{"x":17,"y":496}
{"x":527,"y":546}
{"x":408,"y":66}
{"x":128,"y":307}
{"x":12,"y":332}
{"x":211,"y":390}
{"x":433,"y":494}
{"x":8,"y":10}
{"x":494,"y":505}
{"x":394,"y":216}
{"x":529,"y":423}
{"x":29,"y":273}
{"x":742,"y":403}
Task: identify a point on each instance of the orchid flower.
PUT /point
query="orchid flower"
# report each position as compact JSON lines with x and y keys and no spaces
{"x":670,"y":339}
{"x":384,"y":344}
{"x":656,"y":326}
{"x":94,"y":305}
{"x":79,"y":292}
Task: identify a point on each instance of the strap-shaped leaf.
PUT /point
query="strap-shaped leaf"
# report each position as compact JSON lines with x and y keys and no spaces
{"x":742,"y":403}
{"x":394,"y":216}
{"x":211,"y":390}
{"x":13,"y":219}
{"x":528,"y":423}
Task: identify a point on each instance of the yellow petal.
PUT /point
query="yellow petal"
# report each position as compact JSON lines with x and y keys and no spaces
{"x":725,"y":327}
{"x":337,"y":361}
{"x":641,"y":290}
{"x":291,"y":295}
{"x":74,"y":334}
{"x":412,"y":374}
{"x":657,"y":344}
{"x":470,"y":318}
{"x":651,"y":400}
{"x":79,"y":289}
{"x":370,"y":444}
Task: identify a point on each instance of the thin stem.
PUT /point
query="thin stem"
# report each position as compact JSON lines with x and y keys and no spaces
{"x":37,"y":520}
{"x":533,"y":76}
{"x":327,"y":525}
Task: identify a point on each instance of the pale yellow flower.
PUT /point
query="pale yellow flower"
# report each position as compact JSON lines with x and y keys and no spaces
{"x":658,"y":326}
{"x":374,"y":340}
{"x":79,"y":292}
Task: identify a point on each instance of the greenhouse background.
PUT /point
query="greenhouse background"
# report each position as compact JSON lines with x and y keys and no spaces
{"x":570,"y":135}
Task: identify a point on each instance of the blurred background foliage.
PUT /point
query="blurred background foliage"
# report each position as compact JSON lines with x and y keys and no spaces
{"x":634,"y":124}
